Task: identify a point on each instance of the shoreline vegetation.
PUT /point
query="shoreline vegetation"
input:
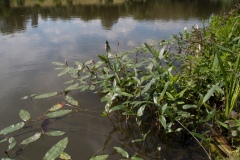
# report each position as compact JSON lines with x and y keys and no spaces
{"x":184,"y":89}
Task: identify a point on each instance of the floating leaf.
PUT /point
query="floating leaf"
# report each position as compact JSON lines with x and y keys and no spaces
{"x":12,"y":143}
{"x":56,"y":150}
{"x":55,"y":133}
{"x":58,"y":63}
{"x":99,"y":157}
{"x":187,"y":106}
{"x":46,"y":95}
{"x":122,"y":152}
{"x":57,"y":113}
{"x":65,"y":156}
{"x":57,"y":106}
{"x":3,"y":140}
{"x":12,"y":128}
{"x":71,"y":100}
{"x":31,"y":139}
{"x":65,"y":71}
{"x":68,"y":82}
{"x":72,"y":87}
{"x":24,"y":115}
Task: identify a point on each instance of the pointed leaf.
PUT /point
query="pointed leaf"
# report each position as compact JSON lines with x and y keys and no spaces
{"x":12,"y":128}
{"x":122,"y":152}
{"x":68,"y":82}
{"x":56,"y":150}
{"x":31,"y":139}
{"x":136,"y":158}
{"x":59,"y":113}
{"x":12,"y":143}
{"x":3,"y":140}
{"x":65,"y":71}
{"x":65,"y":156}
{"x":72,"y":87}
{"x":141,"y":110}
{"x":162,"y":120}
{"x":187,"y":106}
{"x":71,"y":100}
{"x":209,"y":93}
{"x":57,"y":106}
{"x":55,"y":133}
{"x":46,"y":95}
{"x":24,"y":115}
{"x":103,"y":58}
{"x":100,"y":157}
{"x":58,"y":63}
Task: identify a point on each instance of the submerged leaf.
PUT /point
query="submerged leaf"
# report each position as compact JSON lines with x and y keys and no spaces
{"x":31,"y":139}
{"x":24,"y":115}
{"x":99,"y":157}
{"x":55,"y":133}
{"x":57,"y":113}
{"x":46,"y":95}
{"x":44,"y":124}
{"x":122,"y":152}
{"x":56,"y":150}
{"x":12,"y":128}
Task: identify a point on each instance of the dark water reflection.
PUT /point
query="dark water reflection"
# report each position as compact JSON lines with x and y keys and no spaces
{"x":33,"y":33}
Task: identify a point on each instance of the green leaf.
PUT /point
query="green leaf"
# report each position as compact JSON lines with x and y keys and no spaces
{"x":46,"y":95}
{"x":162,"y":120}
{"x":122,"y":152}
{"x":224,"y":48}
{"x":3,"y":140}
{"x":55,"y":133}
{"x":187,"y":106}
{"x":99,"y":157}
{"x":209,"y":93}
{"x":57,"y":113}
{"x":33,"y":138}
{"x":24,"y":115}
{"x":65,"y":156}
{"x":58,"y":63}
{"x":72,"y":87}
{"x":56,"y":150}
{"x":12,"y":143}
{"x":12,"y":128}
{"x":56,"y":107}
{"x":71,"y":100}
{"x":65,"y":71}
{"x":69,"y":82}
{"x":136,"y":158}
{"x":103,"y":58}
{"x":141,"y":110}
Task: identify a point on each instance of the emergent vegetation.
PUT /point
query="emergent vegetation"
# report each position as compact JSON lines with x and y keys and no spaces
{"x":187,"y":85}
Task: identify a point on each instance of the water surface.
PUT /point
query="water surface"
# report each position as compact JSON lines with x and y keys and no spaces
{"x":35,"y":33}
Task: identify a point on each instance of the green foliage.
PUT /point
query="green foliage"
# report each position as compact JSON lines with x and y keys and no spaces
{"x":56,"y":150}
{"x":12,"y":128}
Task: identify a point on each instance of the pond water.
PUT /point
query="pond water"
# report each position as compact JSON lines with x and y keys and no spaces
{"x":35,"y":33}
